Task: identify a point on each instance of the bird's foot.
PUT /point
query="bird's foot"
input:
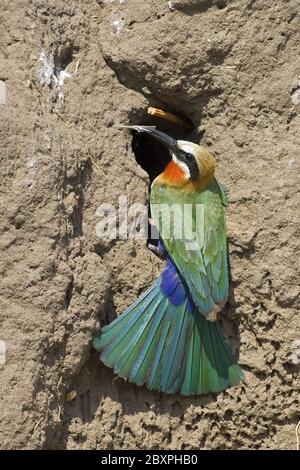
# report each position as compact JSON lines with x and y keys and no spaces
{"x":157,"y":251}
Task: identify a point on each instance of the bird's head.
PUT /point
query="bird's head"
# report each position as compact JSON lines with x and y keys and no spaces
{"x":189,"y":163}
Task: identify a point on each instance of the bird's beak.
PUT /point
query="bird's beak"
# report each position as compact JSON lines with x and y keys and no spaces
{"x":163,"y":138}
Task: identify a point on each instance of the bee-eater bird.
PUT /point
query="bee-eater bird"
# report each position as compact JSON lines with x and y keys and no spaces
{"x":169,"y":339}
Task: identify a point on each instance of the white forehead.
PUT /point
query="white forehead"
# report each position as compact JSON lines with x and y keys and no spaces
{"x":189,"y":147}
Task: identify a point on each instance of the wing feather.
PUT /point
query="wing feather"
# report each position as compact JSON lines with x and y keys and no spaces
{"x":200,"y":253}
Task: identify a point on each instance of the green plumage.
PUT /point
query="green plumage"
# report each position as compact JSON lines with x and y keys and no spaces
{"x":200,"y":254}
{"x":171,"y":346}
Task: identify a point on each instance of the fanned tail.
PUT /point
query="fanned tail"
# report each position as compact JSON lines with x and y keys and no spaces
{"x":167,"y":347}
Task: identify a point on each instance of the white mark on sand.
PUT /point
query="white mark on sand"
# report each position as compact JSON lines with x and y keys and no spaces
{"x":48,"y":138}
{"x":295,"y":355}
{"x":47,"y":75}
{"x":46,"y":70}
{"x":295,"y":95}
{"x":31,"y":164}
{"x":2,"y":92}
{"x":31,"y":169}
{"x":117,"y":23}
{"x":2,"y":352}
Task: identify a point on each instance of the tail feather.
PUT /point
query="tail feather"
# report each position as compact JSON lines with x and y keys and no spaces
{"x":235,"y":373}
{"x":129,"y":316}
{"x":139,"y":371}
{"x":175,"y":350}
{"x":220,"y":359}
{"x":170,"y":348}
{"x":129,"y":355}
{"x":153,"y":381}
{"x":191,"y":377}
{"x":115,"y":336}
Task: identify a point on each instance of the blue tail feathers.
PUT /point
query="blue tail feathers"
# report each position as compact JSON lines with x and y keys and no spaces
{"x":164,"y":342}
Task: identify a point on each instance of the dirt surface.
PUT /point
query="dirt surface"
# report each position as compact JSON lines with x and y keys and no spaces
{"x":229,"y":67}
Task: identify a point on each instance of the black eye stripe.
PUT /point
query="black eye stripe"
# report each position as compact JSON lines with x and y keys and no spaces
{"x":190,"y":161}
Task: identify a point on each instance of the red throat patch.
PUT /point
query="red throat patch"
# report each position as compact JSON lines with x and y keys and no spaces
{"x":173,"y":173}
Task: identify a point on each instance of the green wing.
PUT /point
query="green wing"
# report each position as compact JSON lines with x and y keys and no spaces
{"x":193,"y":231}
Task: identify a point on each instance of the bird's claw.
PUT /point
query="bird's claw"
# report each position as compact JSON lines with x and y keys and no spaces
{"x":157,"y":251}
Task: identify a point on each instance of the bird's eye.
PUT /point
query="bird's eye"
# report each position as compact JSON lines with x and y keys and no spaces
{"x":186,"y":156}
{"x":190,"y":160}
{"x":189,"y":155}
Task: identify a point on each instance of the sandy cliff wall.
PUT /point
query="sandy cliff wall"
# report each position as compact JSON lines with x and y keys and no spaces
{"x":229,"y":68}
